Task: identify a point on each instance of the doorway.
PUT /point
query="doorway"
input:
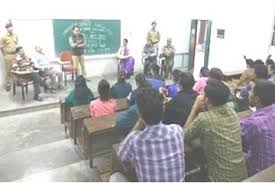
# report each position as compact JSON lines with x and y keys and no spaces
{"x":199,"y":45}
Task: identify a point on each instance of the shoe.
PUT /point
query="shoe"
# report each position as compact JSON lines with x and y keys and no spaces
{"x":38,"y":98}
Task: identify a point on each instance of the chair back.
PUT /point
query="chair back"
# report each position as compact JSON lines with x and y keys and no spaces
{"x":66,"y":56}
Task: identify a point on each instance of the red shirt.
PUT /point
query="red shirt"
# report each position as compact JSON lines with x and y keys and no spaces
{"x":102,"y":108}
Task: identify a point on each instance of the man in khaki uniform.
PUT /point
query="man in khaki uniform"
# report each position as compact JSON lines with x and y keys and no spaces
{"x":153,"y":35}
{"x":167,"y":55}
{"x":8,"y":44}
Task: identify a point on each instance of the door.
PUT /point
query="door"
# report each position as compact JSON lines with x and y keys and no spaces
{"x":199,"y":45}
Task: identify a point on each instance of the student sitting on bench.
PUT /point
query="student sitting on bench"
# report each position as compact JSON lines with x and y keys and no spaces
{"x":155,"y":149}
{"x":121,"y":88}
{"x":201,"y":82}
{"x":141,"y":82}
{"x":258,"y":131}
{"x":173,"y":89}
{"x":80,"y":95}
{"x":104,"y":105}
{"x":179,"y":107}
{"x":218,"y":127}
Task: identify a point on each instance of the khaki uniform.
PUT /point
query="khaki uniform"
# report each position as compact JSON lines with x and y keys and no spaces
{"x":8,"y":44}
{"x":154,"y":36}
{"x":167,"y":53}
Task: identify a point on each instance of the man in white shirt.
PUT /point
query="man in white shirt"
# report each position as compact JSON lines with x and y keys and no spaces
{"x":51,"y":69}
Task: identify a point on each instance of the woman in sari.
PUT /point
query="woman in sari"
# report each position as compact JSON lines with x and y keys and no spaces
{"x":127,"y":62}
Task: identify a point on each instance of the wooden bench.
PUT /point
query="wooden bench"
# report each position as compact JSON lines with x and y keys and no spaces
{"x":99,"y":134}
{"x":267,"y":175}
{"x":232,"y":74}
{"x":79,"y":113}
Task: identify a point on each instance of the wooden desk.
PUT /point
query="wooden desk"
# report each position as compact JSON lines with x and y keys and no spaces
{"x":65,"y":114}
{"x":98,"y":136}
{"x":267,"y":175}
{"x":79,"y":113}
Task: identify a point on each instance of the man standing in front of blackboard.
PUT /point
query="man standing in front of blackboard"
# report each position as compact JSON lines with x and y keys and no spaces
{"x":77,"y":43}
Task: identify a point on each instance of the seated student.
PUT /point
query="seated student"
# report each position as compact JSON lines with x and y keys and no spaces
{"x":201,"y":83}
{"x":52,"y":70}
{"x":126,"y":120}
{"x":216,"y":73}
{"x":104,"y":105}
{"x":260,"y":72}
{"x":258,"y":130}
{"x":121,"y":88}
{"x":179,"y":107}
{"x":154,"y":73}
{"x":219,"y":130}
{"x":156,"y":150}
{"x":155,"y":79}
{"x":247,"y":75}
{"x":80,"y":95}
{"x":173,"y":89}
{"x":23,"y":64}
{"x":271,"y":72}
{"x":141,"y":82}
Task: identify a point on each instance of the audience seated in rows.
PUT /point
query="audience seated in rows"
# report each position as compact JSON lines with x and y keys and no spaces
{"x":218,"y":127}
{"x":121,"y":89}
{"x":201,"y":82}
{"x":178,"y":108}
{"x":80,"y":95}
{"x":104,"y":105}
{"x":258,"y":130}
{"x":156,"y":150}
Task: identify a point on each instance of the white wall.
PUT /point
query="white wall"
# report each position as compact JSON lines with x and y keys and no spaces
{"x":247,"y":24}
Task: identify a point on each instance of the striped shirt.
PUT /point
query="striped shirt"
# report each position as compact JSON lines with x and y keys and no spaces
{"x":219,"y":131}
{"x":258,"y":135}
{"x":22,"y":64}
{"x":157,"y":153}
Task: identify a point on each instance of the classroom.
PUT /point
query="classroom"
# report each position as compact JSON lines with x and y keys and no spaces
{"x":137,"y":91}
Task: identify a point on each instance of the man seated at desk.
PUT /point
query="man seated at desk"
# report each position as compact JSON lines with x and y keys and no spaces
{"x":218,"y":127}
{"x":23,"y":68}
{"x":51,"y":69}
{"x":155,"y":149}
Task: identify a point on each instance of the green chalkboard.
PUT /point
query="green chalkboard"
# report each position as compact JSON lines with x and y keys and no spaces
{"x":101,"y":36}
